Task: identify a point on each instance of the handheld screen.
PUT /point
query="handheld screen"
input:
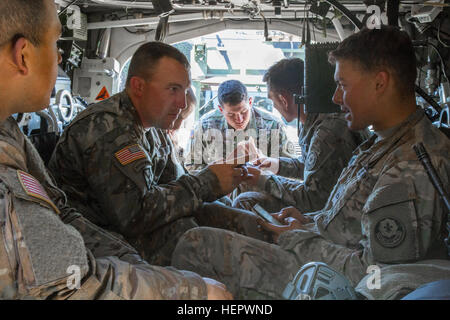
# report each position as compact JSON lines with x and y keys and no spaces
{"x":265,"y":215}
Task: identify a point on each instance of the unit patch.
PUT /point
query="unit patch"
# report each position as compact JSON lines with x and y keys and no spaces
{"x":311,"y":159}
{"x":389,"y":232}
{"x":34,"y":189}
{"x":130,"y":154}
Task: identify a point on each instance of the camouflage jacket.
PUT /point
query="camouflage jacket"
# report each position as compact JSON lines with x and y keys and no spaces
{"x":122,"y":177}
{"x":327,"y":145}
{"x":46,"y":246}
{"x":384,"y":208}
{"x":213,"y":139}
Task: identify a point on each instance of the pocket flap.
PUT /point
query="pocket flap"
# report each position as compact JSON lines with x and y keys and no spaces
{"x":390,"y":194}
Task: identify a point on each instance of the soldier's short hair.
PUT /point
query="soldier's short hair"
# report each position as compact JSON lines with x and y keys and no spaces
{"x":22,"y":18}
{"x":286,"y":74}
{"x":232,"y":92}
{"x":144,"y":61}
{"x":377,"y":49}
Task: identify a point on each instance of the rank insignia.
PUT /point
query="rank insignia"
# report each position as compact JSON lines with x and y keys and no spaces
{"x":34,"y":189}
{"x":130,"y":154}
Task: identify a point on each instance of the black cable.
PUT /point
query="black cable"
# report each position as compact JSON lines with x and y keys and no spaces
{"x":428,"y":99}
{"x":305,"y":27}
{"x":440,"y":31}
{"x":138,"y":31}
{"x":424,"y":158}
{"x":127,"y":29}
{"x":162,"y":29}
{"x":438,"y":35}
{"x":266,"y":29}
{"x":67,"y":7}
{"x":350,"y":16}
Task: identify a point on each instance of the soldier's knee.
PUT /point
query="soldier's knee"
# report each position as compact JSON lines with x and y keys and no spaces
{"x":195,"y":237}
{"x":192,"y":240}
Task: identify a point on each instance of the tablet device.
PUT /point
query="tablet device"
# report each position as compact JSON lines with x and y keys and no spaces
{"x":265,"y":215}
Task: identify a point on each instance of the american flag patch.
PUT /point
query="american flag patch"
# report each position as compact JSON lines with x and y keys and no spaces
{"x":130,"y":154}
{"x":34,"y":189}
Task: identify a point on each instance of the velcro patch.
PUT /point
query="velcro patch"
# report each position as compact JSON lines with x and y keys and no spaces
{"x":311,"y":159}
{"x":34,"y":189}
{"x":129,"y":154}
{"x":390,"y":232}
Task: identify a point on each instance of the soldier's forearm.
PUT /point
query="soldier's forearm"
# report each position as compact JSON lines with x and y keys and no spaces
{"x":112,"y":278}
{"x":163,"y":204}
{"x":102,"y":243}
{"x":282,"y":188}
{"x":195,"y":168}
{"x":291,"y":168}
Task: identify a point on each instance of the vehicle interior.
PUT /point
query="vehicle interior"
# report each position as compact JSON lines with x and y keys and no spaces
{"x":100,"y":36}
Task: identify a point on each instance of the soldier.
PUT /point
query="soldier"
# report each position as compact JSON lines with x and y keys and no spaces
{"x":115,"y":163}
{"x":383,"y":210}
{"x":326,"y":142}
{"x":47,"y":249}
{"x":219,"y":131}
{"x":191,"y":102}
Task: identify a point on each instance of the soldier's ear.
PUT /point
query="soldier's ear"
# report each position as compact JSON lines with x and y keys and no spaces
{"x":220,"y":108}
{"x":21,"y":55}
{"x":284,"y":100}
{"x":137,"y":86}
{"x":382,"y":80}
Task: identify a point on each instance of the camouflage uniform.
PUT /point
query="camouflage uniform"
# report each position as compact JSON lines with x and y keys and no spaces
{"x":327,"y":145}
{"x":383,"y":210}
{"x":213,"y":129}
{"x":129,"y":181}
{"x":44,"y":242}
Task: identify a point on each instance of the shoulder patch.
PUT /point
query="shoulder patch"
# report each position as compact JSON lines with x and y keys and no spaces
{"x":311,"y":159}
{"x":390,"y":232}
{"x":34,"y":189}
{"x":130,"y":154}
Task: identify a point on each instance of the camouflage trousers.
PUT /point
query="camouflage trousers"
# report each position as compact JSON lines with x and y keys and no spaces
{"x":250,"y":268}
{"x":157,"y":247}
{"x":247,"y":201}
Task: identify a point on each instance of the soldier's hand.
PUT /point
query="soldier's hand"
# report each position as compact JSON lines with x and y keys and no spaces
{"x":246,"y":150}
{"x":266,"y":163}
{"x":294,"y":213}
{"x":253,"y":177}
{"x":289,"y":224}
{"x":229,"y":175}
{"x":217,"y":290}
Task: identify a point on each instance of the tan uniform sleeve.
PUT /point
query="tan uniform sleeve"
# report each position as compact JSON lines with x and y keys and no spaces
{"x":127,"y":194}
{"x":41,"y":257}
{"x":401,"y":223}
